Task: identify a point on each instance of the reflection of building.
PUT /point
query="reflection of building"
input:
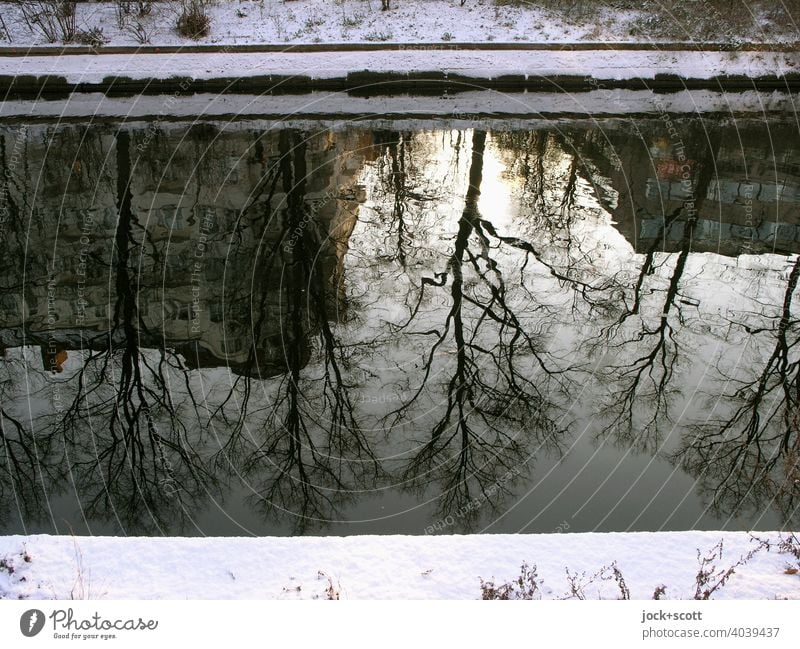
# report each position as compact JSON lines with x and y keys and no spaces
{"x":207,"y":210}
{"x":737,"y":186}
{"x":749,"y":204}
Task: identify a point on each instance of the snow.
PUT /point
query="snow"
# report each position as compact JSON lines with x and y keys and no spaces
{"x":430,"y":21}
{"x":388,"y":567}
{"x":431,"y":28}
{"x":494,"y":109}
{"x":479,"y":64}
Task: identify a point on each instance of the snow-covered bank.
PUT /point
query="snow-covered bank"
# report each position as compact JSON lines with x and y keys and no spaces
{"x":493,"y":109}
{"x":396,"y":72}
{"x":432,"y":21}
{"x":369,"y":567}
{"x":601,"y":65}
{"x":429,"y":40}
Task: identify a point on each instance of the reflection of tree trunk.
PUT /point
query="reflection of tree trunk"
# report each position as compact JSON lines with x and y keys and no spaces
{"x":570,"y":187}
{"x":397,"y":153}
{"x":791,"y":385}
{"x":293,"y":175}
{"x":124,"y":314}
{"x":459,"y":383}
{"x":130,"y":403}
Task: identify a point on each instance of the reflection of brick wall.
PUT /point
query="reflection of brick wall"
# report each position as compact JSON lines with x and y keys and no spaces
{"x":199,"y":257}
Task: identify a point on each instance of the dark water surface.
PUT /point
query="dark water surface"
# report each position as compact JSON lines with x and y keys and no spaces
{"x":235,"y":328}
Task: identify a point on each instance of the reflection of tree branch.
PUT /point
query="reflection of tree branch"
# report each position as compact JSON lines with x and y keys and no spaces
{"x":487,"y":391}
{"x":549,"y":194}
{"x":27,"y":465}
{"x":310,"y":450}
{"x":143,"y":467}
{"x":648,"y":267}
{"x":648,"y":376}
{"x":738,"y":456}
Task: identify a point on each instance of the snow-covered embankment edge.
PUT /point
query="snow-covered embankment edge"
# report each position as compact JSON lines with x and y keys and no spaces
{"x":389,"y":567}
{"x":494,"y":109}
{"x":367,"y":71}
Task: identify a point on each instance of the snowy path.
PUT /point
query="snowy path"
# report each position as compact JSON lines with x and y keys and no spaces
{"x":369,"y":567}
{"x":602,"y":65}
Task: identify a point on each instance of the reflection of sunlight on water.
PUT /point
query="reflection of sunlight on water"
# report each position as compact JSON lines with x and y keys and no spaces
{"x":494,"y":202}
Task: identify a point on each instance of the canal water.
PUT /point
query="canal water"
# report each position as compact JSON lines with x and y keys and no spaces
{"x":234,"y":327}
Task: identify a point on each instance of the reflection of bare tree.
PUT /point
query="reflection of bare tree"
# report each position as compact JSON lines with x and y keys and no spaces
{"x":552,"y":166}
{"x":648,"y":349}
{"x":30,"y":464}
{"x":309,"y":450}
{"x":646,"y":378}
{"x":753,"y":452}
{"x":491,"y":402}
{"x":123,"y":430}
